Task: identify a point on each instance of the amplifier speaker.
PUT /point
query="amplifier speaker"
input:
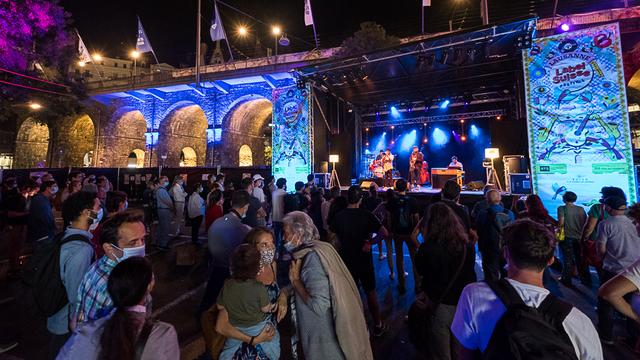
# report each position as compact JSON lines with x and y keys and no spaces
{"x":322,"y":179}
{"x":366,"y":183}
{"x":515,"y":164}
{"x":520,"y":184}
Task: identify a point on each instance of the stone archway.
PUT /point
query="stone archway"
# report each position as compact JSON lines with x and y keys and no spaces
{"x":247,"y":124}
{"x":75,"y":139}
{"x":128,"y":132}
{"x":185,"y":127}
{"x":188,"y":157}
{"x":32,"y":144}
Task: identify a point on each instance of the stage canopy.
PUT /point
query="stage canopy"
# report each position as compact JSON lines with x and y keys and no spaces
{"x":467,"y":67}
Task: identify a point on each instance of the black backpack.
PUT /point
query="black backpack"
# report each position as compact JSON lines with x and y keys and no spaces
{"x":291,"y":203}
{"x":402,"y":218}
{"x":524,"y":332}
{"x":43,"y":292}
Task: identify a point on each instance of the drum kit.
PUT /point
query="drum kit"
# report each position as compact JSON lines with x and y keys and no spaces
{"x":376,"y":169}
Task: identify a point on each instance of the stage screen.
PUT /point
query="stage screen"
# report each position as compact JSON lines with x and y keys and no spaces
{"x":578,"y":124}
{"x":292,"y":134}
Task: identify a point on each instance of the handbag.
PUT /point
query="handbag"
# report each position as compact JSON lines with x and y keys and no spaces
{"x":423,"y":311}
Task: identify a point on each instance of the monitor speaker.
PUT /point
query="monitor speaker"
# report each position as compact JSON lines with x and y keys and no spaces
{"x":515,"y":164}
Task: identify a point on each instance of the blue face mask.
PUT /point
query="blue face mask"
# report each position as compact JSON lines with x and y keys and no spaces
{"x":289,"y":247}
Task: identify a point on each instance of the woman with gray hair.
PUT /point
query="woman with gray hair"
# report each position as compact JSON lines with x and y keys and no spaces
{"x":330,"y":315}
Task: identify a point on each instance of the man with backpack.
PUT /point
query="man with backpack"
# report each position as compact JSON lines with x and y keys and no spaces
{"x":297,"y":201}
{"x":55,"y":272}
{"x":489,"y":223}
{"x":516,"y":317}
{"x":403,"y":211}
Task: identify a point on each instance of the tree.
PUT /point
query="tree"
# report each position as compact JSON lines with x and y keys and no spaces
{"x":370,"y":37}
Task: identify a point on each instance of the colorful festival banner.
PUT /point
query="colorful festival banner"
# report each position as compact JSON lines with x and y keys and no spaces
{"x":292,"y":134}
{"x":578,"y":123}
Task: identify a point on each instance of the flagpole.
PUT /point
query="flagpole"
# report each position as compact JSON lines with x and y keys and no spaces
{"x":198,"y":25}
{"x":422,"y":12}
{"x":315,"y":36}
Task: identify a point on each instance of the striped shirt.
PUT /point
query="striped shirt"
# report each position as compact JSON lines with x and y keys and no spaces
{"x":94,"y":301}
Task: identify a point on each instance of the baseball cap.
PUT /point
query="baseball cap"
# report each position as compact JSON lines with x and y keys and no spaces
{"x":616,"y":202}
{"x":257,"y":177}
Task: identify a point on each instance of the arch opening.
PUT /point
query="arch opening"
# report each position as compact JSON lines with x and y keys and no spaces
{"x":128,"y":133}
{"x":245,"y":157}
{"x":248,"y":124}
{"x":32,"y":145}
{"x":135,"y":158}
{"x":76,"y":143}
{"x":183,"y":136}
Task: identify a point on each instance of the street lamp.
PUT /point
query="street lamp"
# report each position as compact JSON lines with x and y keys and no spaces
{"x":81,"y":63}
{"x":97,"y":57}
{"x":242,"y":31}
{"x":35,"y":106}
{"x":134,"y":55}
{"x":276,"y":30}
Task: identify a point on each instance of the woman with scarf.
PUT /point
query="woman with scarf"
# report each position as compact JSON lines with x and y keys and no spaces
{"x":329,"y":311}
{"x":262,"y":239}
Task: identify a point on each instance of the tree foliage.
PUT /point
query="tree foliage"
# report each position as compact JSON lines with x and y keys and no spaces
{"x":370,"y":37}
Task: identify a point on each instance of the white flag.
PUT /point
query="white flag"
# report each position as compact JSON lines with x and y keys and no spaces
{"x":426,"y":3}
{"x":85,"y":57}
{"x":308,"y":15}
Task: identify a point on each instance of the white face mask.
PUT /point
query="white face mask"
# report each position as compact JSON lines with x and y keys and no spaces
{"x":126,"y":205}
{"x":130,"y":252}
{"x":54,"y":190}
{"x":96,"y":221}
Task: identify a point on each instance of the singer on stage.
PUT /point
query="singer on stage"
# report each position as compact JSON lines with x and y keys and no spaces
{"x":387,"y":167}
{"x":415,"y":166}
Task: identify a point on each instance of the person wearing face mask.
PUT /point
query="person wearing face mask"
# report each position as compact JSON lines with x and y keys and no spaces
{"x":118,"y":335}
{"x":17,"y":207}
{"x":179,"y":197}
{"x":115,"y":203}
{"x":164,"y":207}
{"x":76,"y":256}
{"x":122,"y":237}
{"x":41,"y":224}
{"x":262,"y":239}
{"x":224,"y":235}
{"x":195,"y":210}
{"x":329,"y":311}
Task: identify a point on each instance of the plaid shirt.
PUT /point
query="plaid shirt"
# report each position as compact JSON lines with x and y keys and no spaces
{"x":94,"y":301}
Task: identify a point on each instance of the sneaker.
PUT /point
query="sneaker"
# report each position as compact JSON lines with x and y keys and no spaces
{"x":380,"y":330}
{"x":4,"y":347}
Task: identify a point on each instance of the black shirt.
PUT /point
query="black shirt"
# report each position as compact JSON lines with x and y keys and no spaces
{"x":395,"y":208}
{"x":438,"y":268}
{"x":370,"y":203}
{"x":354,"y":228}
{"x":17,"y":203}
{"x":252,"y":213}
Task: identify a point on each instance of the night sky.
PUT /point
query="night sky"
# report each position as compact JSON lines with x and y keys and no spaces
{"x":109,"y":27}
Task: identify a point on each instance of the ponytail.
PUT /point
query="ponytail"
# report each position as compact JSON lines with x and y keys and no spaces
{"x":119,"y":337}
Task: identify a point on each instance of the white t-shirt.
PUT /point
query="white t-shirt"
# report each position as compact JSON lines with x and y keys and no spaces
{"x":632,"y":273}
{"x":258,"y":193}
{"x":479,"y":309}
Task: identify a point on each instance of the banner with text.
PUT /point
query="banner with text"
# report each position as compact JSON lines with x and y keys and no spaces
{"x":578,"y":124}
{"x":292,"y":153}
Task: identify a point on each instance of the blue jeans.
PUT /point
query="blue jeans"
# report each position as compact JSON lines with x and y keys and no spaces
{"x":164,"y":223}
{"x":271,"y":348}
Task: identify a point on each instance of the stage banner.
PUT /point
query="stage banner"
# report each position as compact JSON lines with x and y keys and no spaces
{"x":578,"y":124}
{"x":292,"y":134}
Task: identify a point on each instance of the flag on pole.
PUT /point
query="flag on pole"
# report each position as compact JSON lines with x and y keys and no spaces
{"x":142,"y":43}
{"x":308,"y":14}
{"x":85,"y":57}
{"x":426,"y":3}
{"x":217,"y":30}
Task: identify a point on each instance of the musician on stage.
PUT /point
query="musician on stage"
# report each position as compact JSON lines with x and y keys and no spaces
{"x":380,"y":156}
{"x":387,"y":166}
{"x":415,"y":166}
{"x":455,"y":164}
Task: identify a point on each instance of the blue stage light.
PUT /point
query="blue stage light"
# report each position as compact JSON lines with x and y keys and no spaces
{"x":395,"y":112}
{"x":440,"y":137}
{"x":409,"y":140}
{"x":444,"y":104}
{"x":381,"y":143}
{"x":475,"y":132}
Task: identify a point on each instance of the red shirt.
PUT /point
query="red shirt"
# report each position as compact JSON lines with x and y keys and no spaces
{"x":212,"y":214}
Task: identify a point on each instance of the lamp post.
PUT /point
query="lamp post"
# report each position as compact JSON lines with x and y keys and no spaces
{"x":334,"y":180}
{"x":135,"y":55}
{"x":275,"y":30}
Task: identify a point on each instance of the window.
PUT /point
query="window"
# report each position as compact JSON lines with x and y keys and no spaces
{"x":124,"y":66}
{"x":115,"y":64}
{"x":245,"y":156}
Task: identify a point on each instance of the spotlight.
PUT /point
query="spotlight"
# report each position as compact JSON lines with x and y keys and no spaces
{"x":467,"y":98}
{"x":444,"y":104}
{"x":367,"y":144}
{"x":425,"y":140}
{"x":565,"y":27}
{"x":461,"y":121}
{"x":474,"y":131}
{"x":393,"y":142}
{"x":499,"y":117}
{"x":463,"y":138}
{"x":366,"y":129}
{"x":395,"y":112}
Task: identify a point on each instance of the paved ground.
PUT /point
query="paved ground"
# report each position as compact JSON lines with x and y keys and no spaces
{"x":179,"y":290}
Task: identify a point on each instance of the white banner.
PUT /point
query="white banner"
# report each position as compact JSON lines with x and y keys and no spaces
{"x":308,"y":15}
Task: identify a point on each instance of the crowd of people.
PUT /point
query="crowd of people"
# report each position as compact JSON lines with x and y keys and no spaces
{"x":99,"y":283}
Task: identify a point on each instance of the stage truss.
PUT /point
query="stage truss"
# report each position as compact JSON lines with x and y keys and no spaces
{"x":437,"y":118}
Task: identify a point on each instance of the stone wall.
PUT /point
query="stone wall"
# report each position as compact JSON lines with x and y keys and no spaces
{"x":184,"y":127}
{"x":120,"y":137}
{"x":73,"y":139}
